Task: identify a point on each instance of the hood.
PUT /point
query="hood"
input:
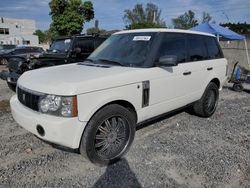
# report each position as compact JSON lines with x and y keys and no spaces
{"x":53,"y":55}
{"x":76,"y":79}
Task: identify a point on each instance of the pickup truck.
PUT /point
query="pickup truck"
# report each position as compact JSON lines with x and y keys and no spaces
{"x":63,"y":50}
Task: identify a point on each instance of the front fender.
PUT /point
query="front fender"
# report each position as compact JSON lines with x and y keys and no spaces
{"x":90,"y":103}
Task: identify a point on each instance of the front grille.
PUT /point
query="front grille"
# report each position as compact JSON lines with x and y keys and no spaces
{"x":28,"y":99}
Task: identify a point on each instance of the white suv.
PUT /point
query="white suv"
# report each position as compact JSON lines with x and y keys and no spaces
{"x":132,"y":77}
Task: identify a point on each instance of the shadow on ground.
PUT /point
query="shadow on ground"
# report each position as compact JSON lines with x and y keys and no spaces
{"x":118,"y":175}
{"x":231,"y":89}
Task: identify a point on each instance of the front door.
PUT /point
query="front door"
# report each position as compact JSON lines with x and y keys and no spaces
{"x":175,"y":86}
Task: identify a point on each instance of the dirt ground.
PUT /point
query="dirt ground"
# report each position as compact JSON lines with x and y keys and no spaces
{"x":178,"y":150}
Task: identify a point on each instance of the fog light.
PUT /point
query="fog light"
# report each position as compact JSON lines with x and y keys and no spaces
{"x":40,"y":130}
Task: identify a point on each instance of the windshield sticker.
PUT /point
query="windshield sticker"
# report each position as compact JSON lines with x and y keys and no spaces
{"x":67,"y":41}
{"x":141,"y":38}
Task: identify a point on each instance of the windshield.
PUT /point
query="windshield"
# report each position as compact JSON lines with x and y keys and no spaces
{"x":128,"y":49}
{"x":61,"y":45}
{"x":7,"y":47}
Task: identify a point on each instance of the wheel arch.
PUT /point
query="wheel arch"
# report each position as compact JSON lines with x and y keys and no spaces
{"x":128,"y":105}
{"x":125,"y":103}
{"x":216,"y":81}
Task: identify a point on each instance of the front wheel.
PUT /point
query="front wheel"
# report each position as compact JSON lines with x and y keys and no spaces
{"x":206,"y":106}
{"x":108,"y":135}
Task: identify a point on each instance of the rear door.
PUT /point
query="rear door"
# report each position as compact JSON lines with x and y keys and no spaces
{"x":197,"y":56}
{"x":215,"y":66}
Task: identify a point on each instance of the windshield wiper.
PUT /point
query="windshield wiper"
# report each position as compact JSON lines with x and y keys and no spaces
{"x":111,"y":62}
{"x":86,"y":61}
{"x":91,"y":60}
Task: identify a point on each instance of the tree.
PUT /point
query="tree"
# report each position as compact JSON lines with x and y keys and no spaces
{"x":96,"y":29}
{"x":68,"y":16}
{"x":139,"y":17}
{"x":242,"y":28}
{"x":41,"y":35}
{"x":185,"y":21}
{"x":206,"y":17}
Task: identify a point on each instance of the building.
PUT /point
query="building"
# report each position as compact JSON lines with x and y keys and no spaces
{"x":18,"y":31}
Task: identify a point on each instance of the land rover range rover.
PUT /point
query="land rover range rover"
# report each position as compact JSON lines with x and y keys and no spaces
{"x":133,"y":76}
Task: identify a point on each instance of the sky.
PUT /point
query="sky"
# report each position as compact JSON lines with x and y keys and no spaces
{"x":110,"y":12}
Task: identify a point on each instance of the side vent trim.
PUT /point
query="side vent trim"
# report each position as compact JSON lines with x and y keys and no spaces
{"x":145,"y":93}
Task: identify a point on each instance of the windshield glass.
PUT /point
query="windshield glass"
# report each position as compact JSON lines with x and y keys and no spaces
{"x":61,"y":45}
{"x":128,"y":49}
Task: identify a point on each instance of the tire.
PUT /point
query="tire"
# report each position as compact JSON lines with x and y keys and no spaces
{"x":108,"y":135}
{"x":12,"y":86}
{"x":238,"y":87}
{"x":206,"y":106}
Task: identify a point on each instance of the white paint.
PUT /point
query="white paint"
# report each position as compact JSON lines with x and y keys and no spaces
{"x":98,"y":86}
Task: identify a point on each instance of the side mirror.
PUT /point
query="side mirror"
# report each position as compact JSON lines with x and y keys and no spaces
{"x":168,"y":60}
{"x":77,"y":50}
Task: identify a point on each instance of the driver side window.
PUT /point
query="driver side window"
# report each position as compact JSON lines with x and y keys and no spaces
{"x":174,"y":45}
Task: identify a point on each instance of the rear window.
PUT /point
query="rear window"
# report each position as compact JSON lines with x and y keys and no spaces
{"x":196,"y":47}
{"x":85,"y":44}
{"x":213,"y":48}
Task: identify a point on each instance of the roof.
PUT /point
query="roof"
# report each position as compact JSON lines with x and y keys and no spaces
{"x":163,"y":30}
{"x":81,"y":36}
{"x":218,"y":30}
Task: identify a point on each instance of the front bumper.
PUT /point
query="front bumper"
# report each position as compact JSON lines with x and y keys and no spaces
{"x":10,"y":77}
{"x":59,"y":130}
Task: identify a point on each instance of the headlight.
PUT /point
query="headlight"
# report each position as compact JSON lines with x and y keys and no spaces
{"x":58,"y":105}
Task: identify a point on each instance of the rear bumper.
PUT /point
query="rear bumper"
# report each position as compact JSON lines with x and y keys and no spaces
{"x":63,"y":131}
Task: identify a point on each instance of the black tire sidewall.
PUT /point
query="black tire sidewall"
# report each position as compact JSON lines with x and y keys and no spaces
{"x":87,"y":147}
{"x":238,"y":87}
{"x":214,"y":87}
{"x":12,"y":86}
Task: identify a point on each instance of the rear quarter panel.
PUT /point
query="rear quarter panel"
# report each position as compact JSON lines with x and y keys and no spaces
{"x":219,"y":72}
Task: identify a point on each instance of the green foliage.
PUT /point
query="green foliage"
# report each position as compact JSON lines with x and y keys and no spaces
{"x":139,"y":17}
{"x":242,"y":28}
{"x":185,"y":21}
{"x":68,"y":16}
{"x":206,"y":17}
{"x":41,"y":35}
{"x":96,"y":29}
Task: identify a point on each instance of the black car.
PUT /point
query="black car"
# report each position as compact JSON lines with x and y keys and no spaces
{"x":7,"y":52}
{"x":4,"y":48}
{"x":63,"y":50}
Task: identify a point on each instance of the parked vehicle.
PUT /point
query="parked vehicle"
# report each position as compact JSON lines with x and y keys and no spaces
{"x":4,"y":47}
{"x":22,"y":51}
{"x":63,"y":50}
{"x":132,"y":77}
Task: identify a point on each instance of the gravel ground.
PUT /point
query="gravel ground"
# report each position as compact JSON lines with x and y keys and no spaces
{"x":179,"y":150}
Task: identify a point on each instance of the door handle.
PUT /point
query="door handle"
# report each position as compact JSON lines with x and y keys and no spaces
{"x":187,"y":73}
{"x":210,"y":68}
